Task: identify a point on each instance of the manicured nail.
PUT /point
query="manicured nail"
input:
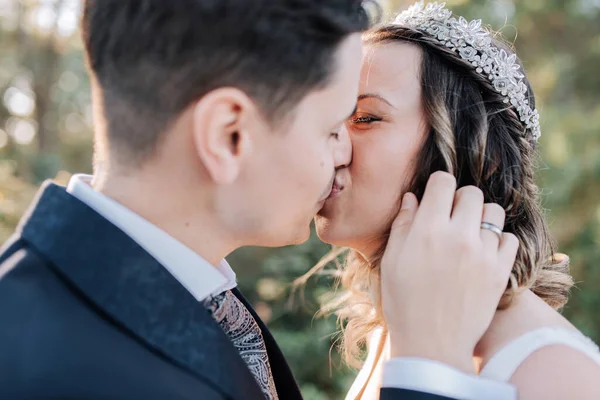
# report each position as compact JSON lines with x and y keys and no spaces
{"x":406,"y":201}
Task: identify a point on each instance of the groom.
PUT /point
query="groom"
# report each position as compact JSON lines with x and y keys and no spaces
{"x":219,"y":124}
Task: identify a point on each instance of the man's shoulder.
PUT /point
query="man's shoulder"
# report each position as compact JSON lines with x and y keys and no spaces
{"x":23,"y":273}
{"x":25,"y":276}
{"x":52,"y":338}
{"x":43,"y":319}
{"x":35,"y":300}
{"x":43,"y":307}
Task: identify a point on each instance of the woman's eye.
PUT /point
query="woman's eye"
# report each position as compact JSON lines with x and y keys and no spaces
{"x":335,"y":135}
{"x":364,"y":120}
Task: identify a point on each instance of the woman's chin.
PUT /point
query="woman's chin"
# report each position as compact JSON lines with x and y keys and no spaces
{"x":330,"y":232}
{"x":325,"y":228}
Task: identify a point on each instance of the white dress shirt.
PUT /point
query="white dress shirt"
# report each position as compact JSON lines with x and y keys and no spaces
{"x":202,"y":279}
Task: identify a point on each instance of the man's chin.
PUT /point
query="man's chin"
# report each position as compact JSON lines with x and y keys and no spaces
{"x":292,"y":241}
{"x":301,"y":235}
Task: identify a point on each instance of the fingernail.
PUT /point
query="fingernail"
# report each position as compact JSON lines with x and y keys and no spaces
{"x":406,"y":201}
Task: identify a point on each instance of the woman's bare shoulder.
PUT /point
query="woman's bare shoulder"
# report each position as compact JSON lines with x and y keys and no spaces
{"x":558,"y":372}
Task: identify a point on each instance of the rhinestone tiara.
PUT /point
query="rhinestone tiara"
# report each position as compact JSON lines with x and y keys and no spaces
{"x":473,"y":43}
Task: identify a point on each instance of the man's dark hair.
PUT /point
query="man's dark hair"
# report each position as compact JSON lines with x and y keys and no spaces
{"x":153,"y":58}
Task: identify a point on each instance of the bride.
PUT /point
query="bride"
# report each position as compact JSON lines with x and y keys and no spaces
{"x":440,"y":93}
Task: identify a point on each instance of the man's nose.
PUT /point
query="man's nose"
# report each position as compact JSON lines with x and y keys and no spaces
{"x":343,"y":149}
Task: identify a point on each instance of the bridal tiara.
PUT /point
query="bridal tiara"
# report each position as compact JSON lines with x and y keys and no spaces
{"x":474,"y":44}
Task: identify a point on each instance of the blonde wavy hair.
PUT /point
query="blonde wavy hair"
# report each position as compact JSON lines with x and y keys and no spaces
{"x":475,"y":136}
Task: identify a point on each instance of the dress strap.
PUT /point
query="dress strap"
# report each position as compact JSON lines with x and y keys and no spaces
{"x":505,"y":362}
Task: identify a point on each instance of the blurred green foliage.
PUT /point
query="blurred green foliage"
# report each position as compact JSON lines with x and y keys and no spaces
{"x":45,"y":128}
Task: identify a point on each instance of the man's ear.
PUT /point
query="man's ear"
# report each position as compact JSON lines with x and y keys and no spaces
{"x":222,"y":121}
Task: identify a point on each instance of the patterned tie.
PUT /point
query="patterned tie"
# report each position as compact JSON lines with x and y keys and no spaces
{"x":243,"y":331}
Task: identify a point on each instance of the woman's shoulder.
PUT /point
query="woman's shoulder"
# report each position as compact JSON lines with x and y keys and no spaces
{"x":549,"y":363}
{"x":556,"y":340}
{"x":530,"y":343}
{"x":567,"y":366}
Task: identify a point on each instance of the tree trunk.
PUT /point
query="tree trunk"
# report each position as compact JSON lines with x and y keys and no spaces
{"x":45,"y":76}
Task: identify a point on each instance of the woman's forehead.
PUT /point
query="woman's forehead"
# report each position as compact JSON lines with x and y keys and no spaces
{"x":391,"y":70}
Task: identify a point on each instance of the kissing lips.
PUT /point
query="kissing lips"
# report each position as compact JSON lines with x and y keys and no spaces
{"x":328,"y":192}
{"x":336,"y":189}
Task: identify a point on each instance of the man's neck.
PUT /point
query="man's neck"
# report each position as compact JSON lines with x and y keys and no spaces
{"x":166,"y":204}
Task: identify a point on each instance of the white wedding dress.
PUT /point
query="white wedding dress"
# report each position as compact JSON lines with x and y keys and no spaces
{"x":500,"y":367}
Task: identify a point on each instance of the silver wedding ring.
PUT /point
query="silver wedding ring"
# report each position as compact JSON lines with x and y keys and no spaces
{"x":493,"y":228}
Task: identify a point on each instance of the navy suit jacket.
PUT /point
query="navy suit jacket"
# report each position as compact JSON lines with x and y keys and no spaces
{"x":86,"y":313}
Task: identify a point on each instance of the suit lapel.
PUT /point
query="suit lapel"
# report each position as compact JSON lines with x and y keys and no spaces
{"x":133,"y":289}
{"x":286,"y":385}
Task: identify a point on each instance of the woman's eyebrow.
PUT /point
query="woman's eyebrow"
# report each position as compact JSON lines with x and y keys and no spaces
{"x":374,"y":96}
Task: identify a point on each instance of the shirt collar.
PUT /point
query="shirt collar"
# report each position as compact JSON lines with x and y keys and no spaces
{"x":196,"y":274}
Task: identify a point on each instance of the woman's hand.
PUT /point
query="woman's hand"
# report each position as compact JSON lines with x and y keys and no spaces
{"x":442,"y":275}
